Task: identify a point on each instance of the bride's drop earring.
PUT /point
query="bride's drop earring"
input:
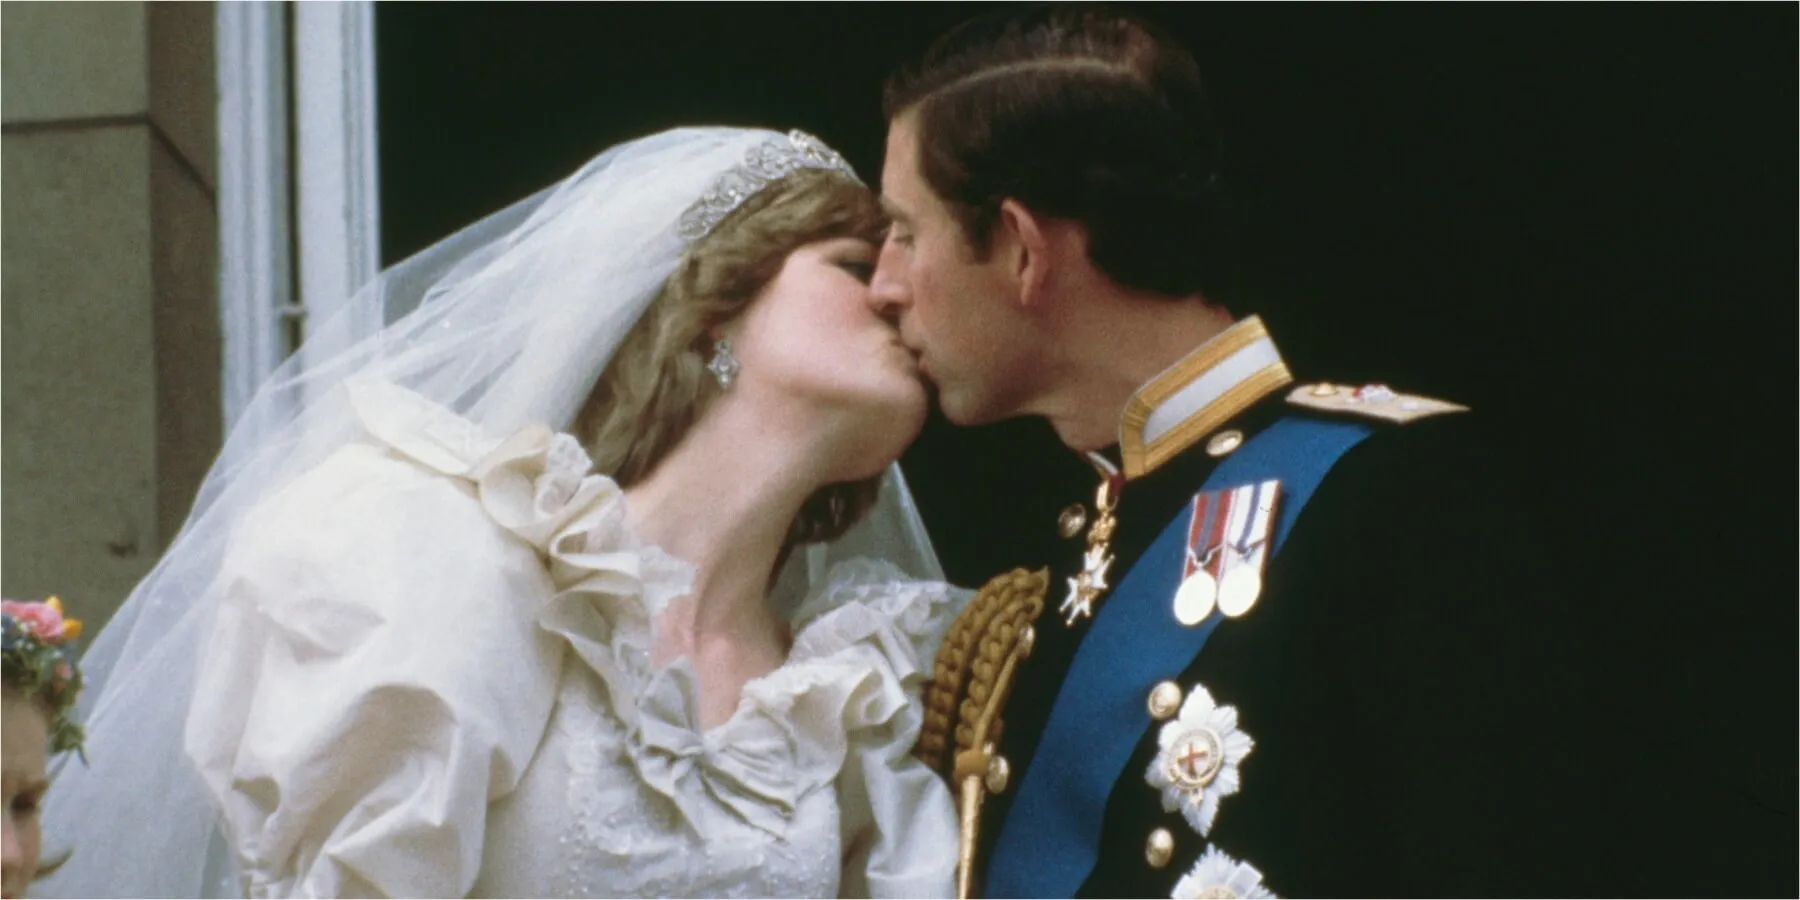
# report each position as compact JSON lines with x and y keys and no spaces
{"x":723,"y":365}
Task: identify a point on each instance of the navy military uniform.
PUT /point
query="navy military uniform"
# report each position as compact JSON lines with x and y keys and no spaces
{"x":1387,"y":711}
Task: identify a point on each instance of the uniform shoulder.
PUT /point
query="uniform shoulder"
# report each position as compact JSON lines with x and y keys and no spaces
{"x":1430,"y":457}
{"x":1413,"y":435}
{"x":1376,"y":401}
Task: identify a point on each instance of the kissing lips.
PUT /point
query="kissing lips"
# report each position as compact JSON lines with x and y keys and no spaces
{"x":918,"y":357}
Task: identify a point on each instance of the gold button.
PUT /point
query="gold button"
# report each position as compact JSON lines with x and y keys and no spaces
{"x":1027,"y":640}
{"x":1224,"y":442}
{"x":1072,"y":520}
{"x":1160,"y":848}
{"x":1325,"y":389}
{"x":998,"y":774}
{"x":1165,"y":699}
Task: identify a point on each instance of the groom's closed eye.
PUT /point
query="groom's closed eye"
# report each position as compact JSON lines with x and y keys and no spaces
{"x":898,"y":232}
{"x":899,"y":228}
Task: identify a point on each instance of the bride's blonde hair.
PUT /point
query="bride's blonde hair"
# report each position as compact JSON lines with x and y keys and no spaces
{"x":657,"y":383}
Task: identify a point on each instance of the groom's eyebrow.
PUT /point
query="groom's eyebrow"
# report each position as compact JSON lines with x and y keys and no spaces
{"x":894,"y":212}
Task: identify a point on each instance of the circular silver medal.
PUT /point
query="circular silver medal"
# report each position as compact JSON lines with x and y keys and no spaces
{"x":1239,"y":590}
{"x":1195,"y":598}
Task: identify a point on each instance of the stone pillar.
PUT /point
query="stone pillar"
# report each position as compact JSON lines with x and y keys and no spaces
{"x":109,"y":326}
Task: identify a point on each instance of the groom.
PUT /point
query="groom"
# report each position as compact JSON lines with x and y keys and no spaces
{"x":1298,"y":642}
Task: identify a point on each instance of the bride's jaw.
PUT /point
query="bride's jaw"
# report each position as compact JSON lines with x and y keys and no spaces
{"x":724,"y":497}
{"x":846,"y":430}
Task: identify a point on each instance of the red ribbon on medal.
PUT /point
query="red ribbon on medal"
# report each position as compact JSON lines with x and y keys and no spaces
{"x":1227,"y":548}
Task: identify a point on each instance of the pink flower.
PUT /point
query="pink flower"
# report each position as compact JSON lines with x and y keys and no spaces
{"x":42,"y":620}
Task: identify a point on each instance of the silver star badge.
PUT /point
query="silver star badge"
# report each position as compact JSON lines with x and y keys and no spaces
{"x":1196,"y":764}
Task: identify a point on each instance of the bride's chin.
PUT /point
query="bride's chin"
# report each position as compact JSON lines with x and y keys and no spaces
{"x":881,"y":445}
{"x":908,"y":420}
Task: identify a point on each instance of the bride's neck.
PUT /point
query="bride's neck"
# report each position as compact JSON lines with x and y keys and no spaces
{"x":722,"y":501}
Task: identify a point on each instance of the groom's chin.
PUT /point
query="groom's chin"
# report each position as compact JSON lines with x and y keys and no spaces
{"x":964,"y":408}
{"x":957,"y":409}
{"x":946,"y":405}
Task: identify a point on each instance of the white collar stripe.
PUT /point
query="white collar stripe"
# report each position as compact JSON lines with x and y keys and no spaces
{"x":1209,"y":387}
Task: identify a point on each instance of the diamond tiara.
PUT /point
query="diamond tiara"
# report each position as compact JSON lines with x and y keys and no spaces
{"x":764,"y":164}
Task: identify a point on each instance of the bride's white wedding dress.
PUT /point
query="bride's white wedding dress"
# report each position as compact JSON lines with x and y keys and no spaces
{"x":401,"y":646}
{"x":430,"y":676}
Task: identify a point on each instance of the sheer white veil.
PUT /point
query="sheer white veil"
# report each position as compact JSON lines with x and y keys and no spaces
{"x":508,"y":322}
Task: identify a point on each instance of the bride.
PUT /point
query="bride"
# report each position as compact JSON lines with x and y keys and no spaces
{"x":589,"y":574}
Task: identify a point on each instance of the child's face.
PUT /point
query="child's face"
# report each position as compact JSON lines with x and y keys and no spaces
{"x":24,"y":742}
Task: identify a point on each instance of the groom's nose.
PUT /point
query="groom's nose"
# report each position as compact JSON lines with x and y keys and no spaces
{"x":888,"y":292}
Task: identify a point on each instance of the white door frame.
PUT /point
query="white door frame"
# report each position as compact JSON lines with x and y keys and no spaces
{"x":299,"y":201}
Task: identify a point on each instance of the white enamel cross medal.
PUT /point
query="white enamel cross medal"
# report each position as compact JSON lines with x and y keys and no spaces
{"x":1227,"y":547}
{"x":1087,"y":585}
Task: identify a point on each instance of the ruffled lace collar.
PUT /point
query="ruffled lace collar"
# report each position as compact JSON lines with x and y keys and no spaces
{"x":862,"y":641}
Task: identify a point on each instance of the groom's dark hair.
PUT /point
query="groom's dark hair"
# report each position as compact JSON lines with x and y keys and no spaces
{"x":1078,"y":112}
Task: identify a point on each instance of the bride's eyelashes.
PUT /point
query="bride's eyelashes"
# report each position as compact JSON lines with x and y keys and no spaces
{"x":27,"y":803}
{"x":862,"y":269}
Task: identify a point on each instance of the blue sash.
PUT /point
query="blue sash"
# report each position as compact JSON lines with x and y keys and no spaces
{"x":1051,"y":837}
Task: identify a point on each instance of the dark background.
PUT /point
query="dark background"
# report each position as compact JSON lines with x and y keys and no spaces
{"x":1578,"y":220}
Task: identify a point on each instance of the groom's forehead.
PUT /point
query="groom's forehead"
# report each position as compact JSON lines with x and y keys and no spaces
{"x":900,"y":163}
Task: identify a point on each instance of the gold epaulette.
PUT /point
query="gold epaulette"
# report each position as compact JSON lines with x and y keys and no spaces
{"x":972,"y":676}
{"x":963,"y":699}
{"x":1372,"y":400}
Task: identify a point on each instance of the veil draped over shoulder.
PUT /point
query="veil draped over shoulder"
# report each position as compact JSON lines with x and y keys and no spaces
{"x":507,"y":323}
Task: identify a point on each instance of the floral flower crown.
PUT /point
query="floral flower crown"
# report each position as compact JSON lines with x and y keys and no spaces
{"x":36,"y":662}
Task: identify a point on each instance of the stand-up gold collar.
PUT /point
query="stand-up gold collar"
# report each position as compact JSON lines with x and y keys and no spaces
{"x":1197,"y":395}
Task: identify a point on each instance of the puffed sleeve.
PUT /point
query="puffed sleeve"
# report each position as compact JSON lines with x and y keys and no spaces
{"x":375,"y":678}
{"x":853,"y":684}
{"x":905,"y":842}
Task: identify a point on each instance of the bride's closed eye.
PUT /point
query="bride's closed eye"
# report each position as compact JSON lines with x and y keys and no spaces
{"x":26,"y":803}
{"x":862,"y":269}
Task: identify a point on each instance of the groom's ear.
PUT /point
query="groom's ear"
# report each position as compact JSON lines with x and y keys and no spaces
{"x":1023,"y":244}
